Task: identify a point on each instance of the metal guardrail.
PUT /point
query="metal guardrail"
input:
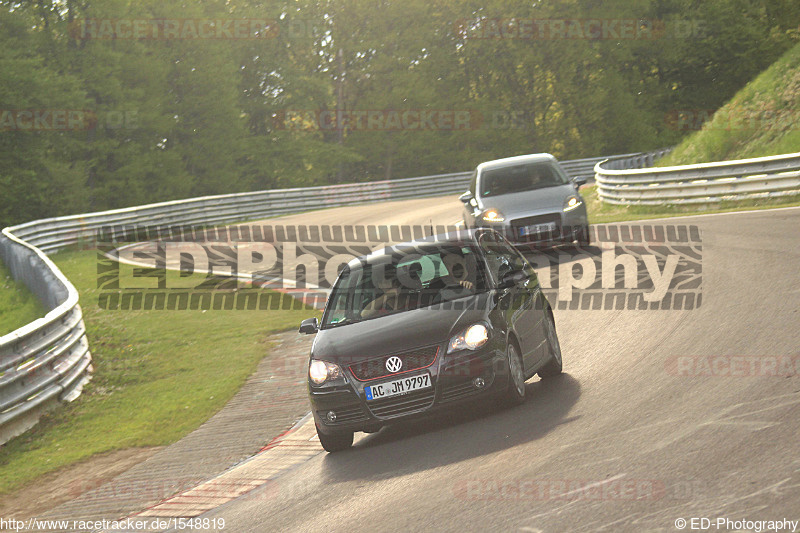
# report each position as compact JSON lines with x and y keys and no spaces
{"x":633,"y":161}
{"x":702,"y":183}
{"x":584,"y":168}
{"x":49,"y":359}
{"x":53,"y":234}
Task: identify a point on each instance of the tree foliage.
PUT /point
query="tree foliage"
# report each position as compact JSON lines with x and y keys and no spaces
{"x":176,"y":117}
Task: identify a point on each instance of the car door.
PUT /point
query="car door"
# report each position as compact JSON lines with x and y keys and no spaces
{"x":534,"y":308}
{"x":517,"y":302}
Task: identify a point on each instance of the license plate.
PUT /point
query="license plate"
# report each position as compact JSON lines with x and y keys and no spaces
{"x":398,"y":387}
{"x":535,"y":229}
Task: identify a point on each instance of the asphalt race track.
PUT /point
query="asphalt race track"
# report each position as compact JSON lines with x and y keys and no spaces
{"x":659,"y":416}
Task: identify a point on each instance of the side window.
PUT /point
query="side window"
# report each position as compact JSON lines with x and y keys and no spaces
{"x":523,"y":264}
{"x":497,"y":258}
{"x":345,"y":291}
{"x":473,"y":183}
{"x":513,"y":256}
{"x":561,"y":176}
{"x":502,"y":257}
{"x":488,"y":182}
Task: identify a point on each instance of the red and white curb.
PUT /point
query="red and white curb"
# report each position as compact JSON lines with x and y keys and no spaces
{"x":285,"y":451}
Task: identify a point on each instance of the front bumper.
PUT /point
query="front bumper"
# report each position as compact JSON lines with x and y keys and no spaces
{"x":452,"y":377}
{"x":565,"y":227}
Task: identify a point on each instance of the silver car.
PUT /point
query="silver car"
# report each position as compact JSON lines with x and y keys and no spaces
{"x":529,"y":199}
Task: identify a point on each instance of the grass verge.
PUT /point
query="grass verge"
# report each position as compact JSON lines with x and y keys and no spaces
{"x":158,"y":376}
{"x":18,"y":306}
{"x":600,"y":212}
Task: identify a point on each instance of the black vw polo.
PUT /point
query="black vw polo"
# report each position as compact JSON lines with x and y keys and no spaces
{"x":424,"y":326}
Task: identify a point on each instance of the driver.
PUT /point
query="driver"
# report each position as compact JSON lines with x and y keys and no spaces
{"x":458,"y":275}
{"x":393,"y":297}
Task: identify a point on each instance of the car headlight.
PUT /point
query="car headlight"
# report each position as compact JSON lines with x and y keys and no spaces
{"x":573,"y":202}
{"x":471,"y":338}
{"x":493,"y":215}
{"x":321,"y":371}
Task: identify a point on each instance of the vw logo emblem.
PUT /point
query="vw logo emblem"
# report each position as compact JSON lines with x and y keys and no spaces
{"x":394,"y":364}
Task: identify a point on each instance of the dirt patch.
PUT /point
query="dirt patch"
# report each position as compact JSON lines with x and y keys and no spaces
{"x":55,"y":488}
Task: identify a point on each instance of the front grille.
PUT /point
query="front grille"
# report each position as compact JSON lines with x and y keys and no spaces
{"x":519,"y":223}
{"x":402,"y":405}
{"x":412,"y":360}
{"x":345,"y":415}
{"x":458,"y":390}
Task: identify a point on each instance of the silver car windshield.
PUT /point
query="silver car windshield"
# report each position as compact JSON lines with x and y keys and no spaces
{"x":519,"y":178}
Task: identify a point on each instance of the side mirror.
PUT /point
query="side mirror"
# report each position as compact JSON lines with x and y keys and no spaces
{"x":512,"y":278}
{"x":309,"y":326}
{"x":466,"y":197}
{"x":578,"y":181}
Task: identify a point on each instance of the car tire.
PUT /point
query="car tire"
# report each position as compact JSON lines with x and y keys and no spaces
{"x":584,"y":239}
{"x":515,"y":392}
{"x":335,"y":442}
{"x":554,"y":364}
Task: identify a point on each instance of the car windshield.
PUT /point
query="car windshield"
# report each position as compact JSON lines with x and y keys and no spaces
{"x":519,"y":178}
{"x":404,"y":280}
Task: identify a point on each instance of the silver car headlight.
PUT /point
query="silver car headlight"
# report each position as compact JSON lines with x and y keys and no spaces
{"x":493,"y":215}
{"x":573,"y":202}
{"x":471,"y":338}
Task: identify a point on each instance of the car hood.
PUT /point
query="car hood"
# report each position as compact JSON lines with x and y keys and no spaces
{"x":529,"y":202}
{"x":399,"y":332}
